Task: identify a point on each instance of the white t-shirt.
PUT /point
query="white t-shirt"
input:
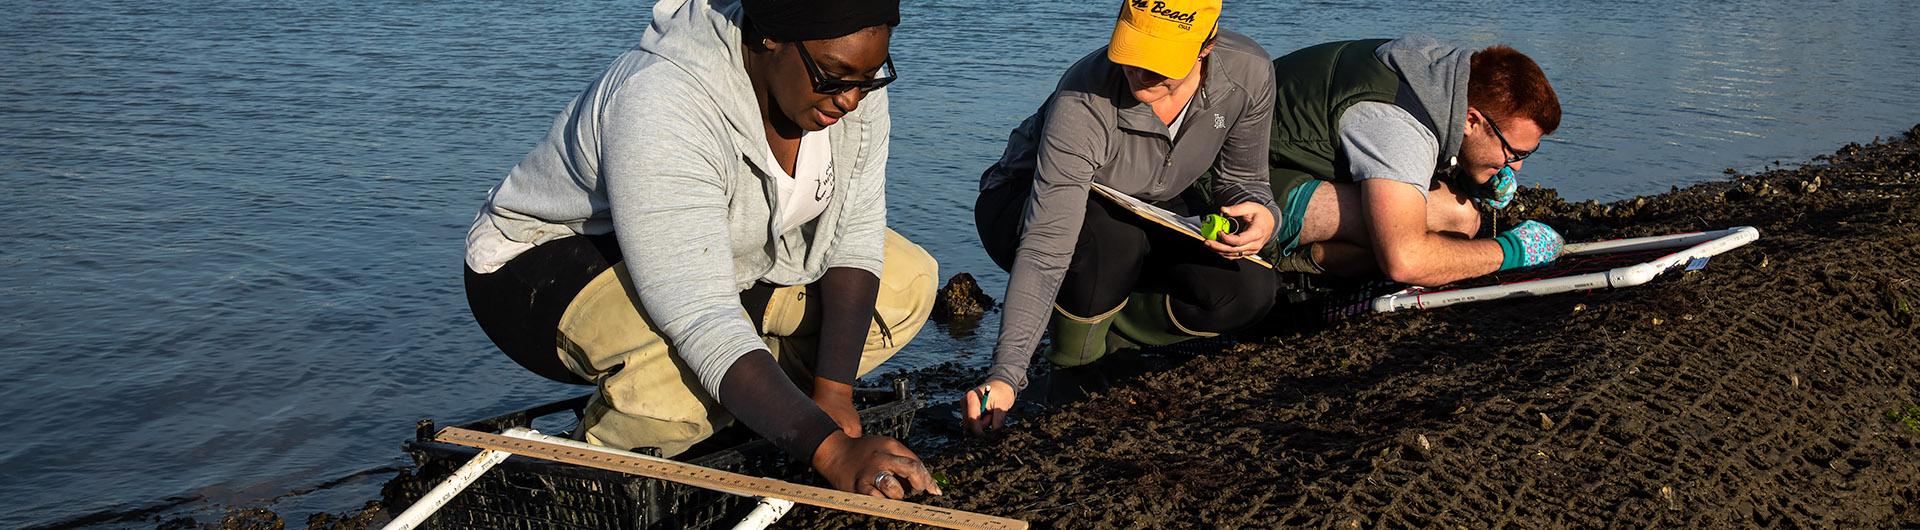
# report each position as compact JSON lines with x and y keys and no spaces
{"x":804,"y":194}
{"x":1173,"y":129}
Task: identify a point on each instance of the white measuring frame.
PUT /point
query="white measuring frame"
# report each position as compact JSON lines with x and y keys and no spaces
{"x":764,"y":514}
{"x":523,"y":442}
{"x":1688,"y":247}
{"x":440,"y":495}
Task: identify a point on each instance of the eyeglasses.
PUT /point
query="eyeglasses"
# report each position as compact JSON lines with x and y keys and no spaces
{"x":833,"y":85}
{"x":1514,"y":155}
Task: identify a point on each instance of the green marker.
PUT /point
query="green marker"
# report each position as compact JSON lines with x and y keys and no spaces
{"x":1216,"y":225}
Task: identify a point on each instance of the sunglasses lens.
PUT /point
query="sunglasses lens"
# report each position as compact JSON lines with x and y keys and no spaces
{"x":825,"y":84}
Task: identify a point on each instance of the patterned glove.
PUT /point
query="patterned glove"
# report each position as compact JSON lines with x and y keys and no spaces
{"x":1499,"y":191}
{"x":1527,"y":245}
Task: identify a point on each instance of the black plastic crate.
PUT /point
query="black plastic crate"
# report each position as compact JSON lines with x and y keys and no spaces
{"x":1324,"y":299}
{"x":526,"y":493}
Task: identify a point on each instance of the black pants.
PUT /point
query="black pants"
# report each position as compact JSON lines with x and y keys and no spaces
{"x":519,"y":305}
{"x":1119,"y":253}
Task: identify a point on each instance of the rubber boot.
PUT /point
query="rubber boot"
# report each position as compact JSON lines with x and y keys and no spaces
{"x":1147,"y":320}
{"x":1079,"y":340}
{"x":1078,"y":344}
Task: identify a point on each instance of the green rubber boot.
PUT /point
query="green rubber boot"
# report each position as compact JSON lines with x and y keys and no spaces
{"x":1147,"y":320}
{"x":1078,"y":340}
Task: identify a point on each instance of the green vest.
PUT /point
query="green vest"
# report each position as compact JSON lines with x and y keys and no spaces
{"x":1315,"y":86}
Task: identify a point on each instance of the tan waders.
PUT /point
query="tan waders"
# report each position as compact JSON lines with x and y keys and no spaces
{"x":648,"y":397}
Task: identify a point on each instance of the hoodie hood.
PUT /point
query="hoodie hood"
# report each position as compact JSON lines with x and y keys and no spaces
{"x":1437,"y":75}
{"x":702,"y":37}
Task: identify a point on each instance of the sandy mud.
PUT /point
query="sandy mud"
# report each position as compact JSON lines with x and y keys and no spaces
{"x":1776,"y":388}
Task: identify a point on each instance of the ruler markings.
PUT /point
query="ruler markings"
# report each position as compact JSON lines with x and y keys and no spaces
{"x":632,"y":463}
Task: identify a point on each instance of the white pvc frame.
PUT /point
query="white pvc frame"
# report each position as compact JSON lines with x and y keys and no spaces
{"x":441,"y":494}
{"x":766,"y":513}
{"x":1691,"y":246}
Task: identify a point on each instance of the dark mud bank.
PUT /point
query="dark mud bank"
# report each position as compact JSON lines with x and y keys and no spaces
{"x":1764,"y":391}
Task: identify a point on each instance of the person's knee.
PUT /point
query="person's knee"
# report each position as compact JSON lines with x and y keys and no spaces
{"x":908,"y":286}
{"x":1243,"y":303}
{"x":907,"y":265}
{"x":1106,"y":239}
{"x":1250,"y":305}
{"x":1450,"y":213}
{"x":1465,"y":221}
{"x":671,"y":433}
{"x":1106,"y":263}
{"x":652,"y":400}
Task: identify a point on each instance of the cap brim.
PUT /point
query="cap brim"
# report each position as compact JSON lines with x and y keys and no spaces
{"x":1167,"y":57}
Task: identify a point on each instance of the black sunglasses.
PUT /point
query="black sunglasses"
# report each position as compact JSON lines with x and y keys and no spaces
{"x":1514,"y":155}
{"x":833,"y":85}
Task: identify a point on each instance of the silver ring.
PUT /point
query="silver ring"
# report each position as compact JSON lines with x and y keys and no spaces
{"x":881,"y":476}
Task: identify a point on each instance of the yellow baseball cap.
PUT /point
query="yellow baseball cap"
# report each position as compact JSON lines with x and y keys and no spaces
{"x":1163,"y":36}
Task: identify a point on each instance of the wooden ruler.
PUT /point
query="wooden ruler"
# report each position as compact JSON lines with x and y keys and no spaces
{"x":582,"y":454}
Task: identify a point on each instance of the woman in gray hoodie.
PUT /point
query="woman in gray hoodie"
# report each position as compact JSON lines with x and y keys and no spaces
{"x":702,"y":234}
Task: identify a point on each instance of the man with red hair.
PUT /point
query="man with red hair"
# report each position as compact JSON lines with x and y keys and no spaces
{"x":1380,"y":150}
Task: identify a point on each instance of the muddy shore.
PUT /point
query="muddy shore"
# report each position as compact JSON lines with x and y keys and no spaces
{"x":1778,"y":387}
{"x":1770,"y":389}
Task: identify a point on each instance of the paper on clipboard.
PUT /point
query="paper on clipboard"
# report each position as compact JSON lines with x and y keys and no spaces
{"x":1185,"y":225}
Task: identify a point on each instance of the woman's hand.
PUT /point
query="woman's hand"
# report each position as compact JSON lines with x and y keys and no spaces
{"x":836,"y":399}
{"x":985,"y":407}
{"x":1258,"y":221}
{"x":872,"y":465}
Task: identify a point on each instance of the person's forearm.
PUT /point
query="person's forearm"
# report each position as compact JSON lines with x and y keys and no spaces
{"x":757,"y":392}
{"x":846,"y":313}
{"x":1054,"y":216}
{"x":1408,"y":250}
{"x":1031,"y":288}
{"x":1433,"y":259}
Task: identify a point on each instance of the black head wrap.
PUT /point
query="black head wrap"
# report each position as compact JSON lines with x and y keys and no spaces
{"x":797,"y":20}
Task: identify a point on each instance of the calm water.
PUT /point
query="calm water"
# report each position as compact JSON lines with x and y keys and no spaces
{"x":231,"y":269}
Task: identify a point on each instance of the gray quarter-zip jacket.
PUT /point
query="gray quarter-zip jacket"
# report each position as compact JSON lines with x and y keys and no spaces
{"x":1092,"y":130}
{"x":666,"y":150}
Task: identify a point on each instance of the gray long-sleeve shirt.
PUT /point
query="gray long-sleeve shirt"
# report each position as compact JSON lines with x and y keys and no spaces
{"x":1092,"y":130}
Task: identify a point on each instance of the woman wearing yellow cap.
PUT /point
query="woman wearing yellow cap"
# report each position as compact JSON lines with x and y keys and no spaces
{"x":1170,"y":98}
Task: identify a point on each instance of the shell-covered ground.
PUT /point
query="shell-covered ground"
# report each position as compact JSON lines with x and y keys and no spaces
{"x":1776,"y":388}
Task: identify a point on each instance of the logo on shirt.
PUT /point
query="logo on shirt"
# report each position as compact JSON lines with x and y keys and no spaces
{"x":823,"y":186}
{"x":1219,"y":122}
